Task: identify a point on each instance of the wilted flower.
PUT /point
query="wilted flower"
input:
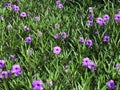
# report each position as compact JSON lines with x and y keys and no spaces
{"x":66,"y":68}
{"x":37,"y":18}
{"x":117,"y":66}
{"x":39,"y":32}
{"x":12,"y":57}
{"x":57,"y":26}
{"x":37,"y":85}
{"x":81,"y":40}
{"x":23,"y":14}
{"x":91,"y":16}
{"x":50,"y":83}
{"x":26,"y":28}
{"x":9,"y":27}
{"x":57,"y":2}
{"x":2,"y":18}
{"x":56,"y":50}
{"x":90,"y":9}
{"x":110,"y":84}
{"x":89,"y":43}
{"x":30,"y":52}
{"x":28,"y":39}
{"x":16,"y":69}
{"x":2,"y":64}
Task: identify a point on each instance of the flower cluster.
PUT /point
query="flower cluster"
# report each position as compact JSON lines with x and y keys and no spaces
{"x":15,"y":8}
{"x":88,"y":42}
{"x":16,"y":70}
{"x":89,"y":64}
{"x":90,"y":18}
{"x":62,"y":35}
{"x":102,"y":20}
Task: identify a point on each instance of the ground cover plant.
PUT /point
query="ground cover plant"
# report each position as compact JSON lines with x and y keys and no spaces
{"x":59,"y":45}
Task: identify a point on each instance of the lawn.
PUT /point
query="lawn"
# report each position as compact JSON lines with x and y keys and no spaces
{"x":59,"y":45}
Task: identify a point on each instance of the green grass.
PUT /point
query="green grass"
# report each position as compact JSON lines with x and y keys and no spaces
{"x":43,"y":64}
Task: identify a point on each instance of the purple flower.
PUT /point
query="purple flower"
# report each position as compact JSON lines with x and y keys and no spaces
{"x":57,"y":50}
{"x":26,"y":28}
{"x":106,"y":38}
{"x":106,"y":17}
{"x":9,"y":27}
{"x":100,"y":21}
{"x":28,"y":39}
{"x":81,"y":40}
{"x":57,"y":2}
{"x":12,"y":57}
{"x":37,"y":85}
{"x":9,"y":73}
{"x":119,"y":12}
{"x":56,"y":36}
{"x":110,"y":84}
{"x":64,"y":35}
{"x":60,"y":6}
{"x":89,"y":43}
{"x":2,"y":64}
{"x":117,"y":66}
{"x":4,"y":74}
{"x":16,"y":69}
{"x":91,"y":16}
{"x":86,"y":61}
{"x":117,"y":17}
{"x":90,"y":9}
{"x":23,"y":14}
{"x":15,"y":8}
{"x":92,"y":66}
{"x":37,"y":18}
{"x":57,"y":26}
{"x":90,"y":23}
